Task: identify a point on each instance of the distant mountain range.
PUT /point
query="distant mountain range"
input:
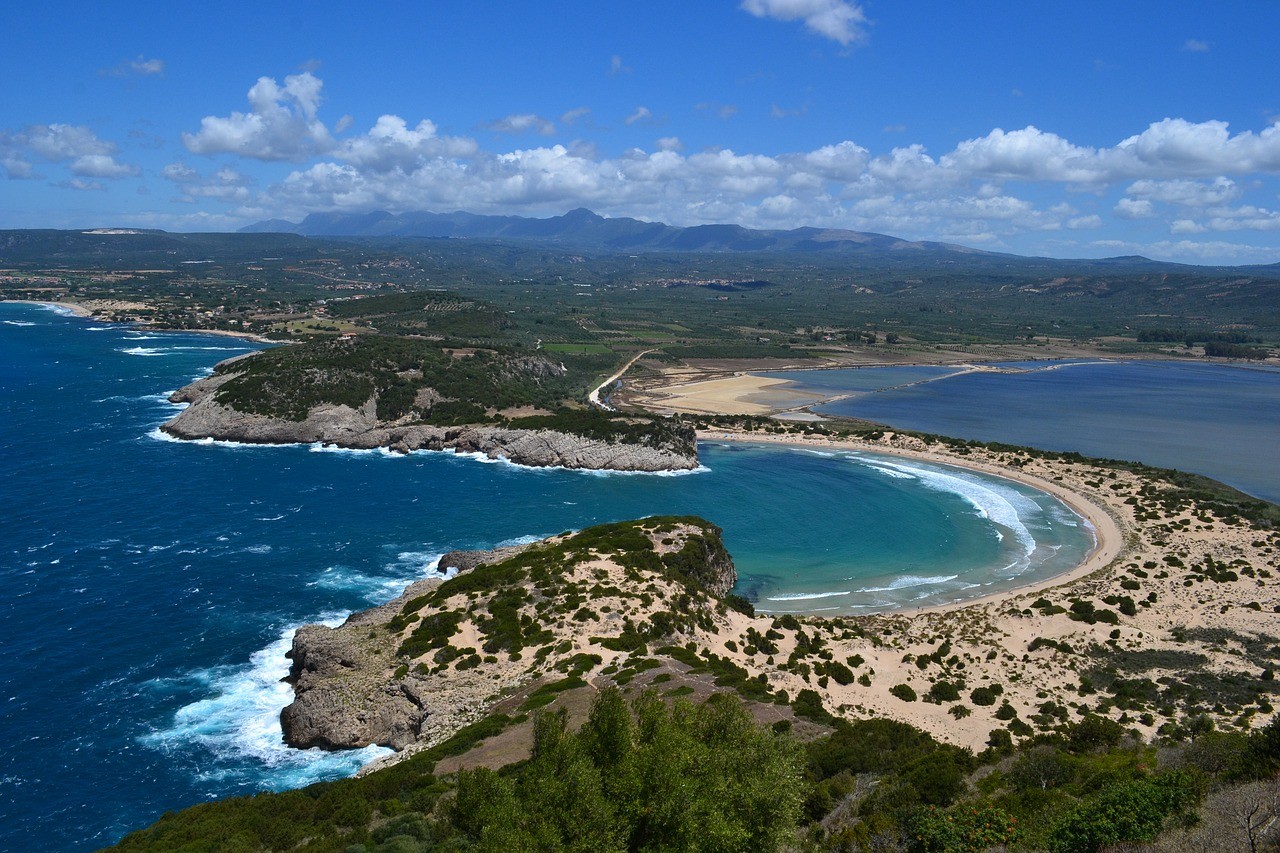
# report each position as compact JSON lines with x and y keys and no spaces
{"x":586,"y":230}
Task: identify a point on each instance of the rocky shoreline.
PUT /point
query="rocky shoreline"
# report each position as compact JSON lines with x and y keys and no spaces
{"x":346,"y":694}
{"x":372,"y":680}
{"x":360,"y":429}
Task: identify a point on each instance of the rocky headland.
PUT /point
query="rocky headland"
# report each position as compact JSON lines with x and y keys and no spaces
{"x":413,"y":671}
{"x":360,"y":428}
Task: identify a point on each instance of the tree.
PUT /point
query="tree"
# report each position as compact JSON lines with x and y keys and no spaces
{"x":651,"y":777}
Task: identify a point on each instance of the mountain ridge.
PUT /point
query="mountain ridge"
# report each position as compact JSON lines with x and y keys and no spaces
{"x":583,"y":228}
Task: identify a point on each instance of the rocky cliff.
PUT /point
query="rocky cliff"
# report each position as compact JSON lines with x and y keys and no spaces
{"x":415,"y":670}
{"x":344,"y":426}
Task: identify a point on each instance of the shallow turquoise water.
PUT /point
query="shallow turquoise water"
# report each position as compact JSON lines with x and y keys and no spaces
{"x":149,"y":588}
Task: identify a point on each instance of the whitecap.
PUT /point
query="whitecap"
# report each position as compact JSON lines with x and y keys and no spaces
{"x":409,"y":566}
{"x":143,"y":351}
{"x":16,"y":323}
{"x":240,"y":724}
{"x":807,"y":596}
{"x":521,"y":540}
{"x":908,"y":581}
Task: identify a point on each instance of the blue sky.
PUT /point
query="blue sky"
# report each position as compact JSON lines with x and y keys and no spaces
{"x":1069,"y":130}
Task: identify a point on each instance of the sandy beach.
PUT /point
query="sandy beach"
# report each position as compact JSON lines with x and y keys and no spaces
{"x":1108,"y":540}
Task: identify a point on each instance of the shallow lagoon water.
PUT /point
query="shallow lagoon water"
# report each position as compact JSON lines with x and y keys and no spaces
{"x":150,"y":587}
{"x":1215,"y":419}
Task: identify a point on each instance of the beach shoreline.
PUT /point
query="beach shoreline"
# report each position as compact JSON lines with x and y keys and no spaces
{"x":91,"y":311}
{"x":1108,"y":540}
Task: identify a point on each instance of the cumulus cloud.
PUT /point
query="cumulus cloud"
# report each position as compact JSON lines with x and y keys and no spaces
{"x":101,"y":166}
{"x":1187,"y":193}
{"x":1188,"y":177}
{"x":225,"y":184}
{"x":75,"y":146}
{"x":523,"y":123}
{"x":838,"y":20}
{"x":1134,"y":208}
{"x":281,"y":124}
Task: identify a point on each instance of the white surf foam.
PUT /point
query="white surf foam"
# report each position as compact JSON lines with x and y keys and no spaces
{"x":996,"y":503}
{"x":909,"y":581}
{"x":16,"y":323}
{"x":807,"y":596}
{"x":239,"y":724}
{"x":144,"y":351}
{"x":409,"y":566}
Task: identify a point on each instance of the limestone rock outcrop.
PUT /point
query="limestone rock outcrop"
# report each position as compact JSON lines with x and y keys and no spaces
{"x":360,"y":429}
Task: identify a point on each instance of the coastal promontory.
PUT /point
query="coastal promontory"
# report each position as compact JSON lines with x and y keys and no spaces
{"x":404,"y":395}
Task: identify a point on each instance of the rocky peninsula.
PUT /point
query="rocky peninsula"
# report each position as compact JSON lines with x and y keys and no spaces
{"x":413,"y":671}
{"x":361,"y":428}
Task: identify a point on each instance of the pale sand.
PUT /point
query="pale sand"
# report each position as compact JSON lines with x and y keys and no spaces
{"x":740,"y":394}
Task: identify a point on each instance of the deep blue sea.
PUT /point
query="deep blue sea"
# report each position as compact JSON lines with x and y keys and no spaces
{"x":149,"y":588}
{"x":1220,"y":420}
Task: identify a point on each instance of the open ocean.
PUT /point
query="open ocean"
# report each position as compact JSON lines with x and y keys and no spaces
{"x":150,"y":587}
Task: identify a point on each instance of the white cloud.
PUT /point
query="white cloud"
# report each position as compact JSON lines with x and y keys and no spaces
{"x":281,"y":125}
{"x":225,"y":184}
{"x":75,"y":146}
{"x":140,"y":66}
{"x":392,"y":145}
{"x":57,"y":142}
{"x":147,"y":67}
{"x":838,"y":20}
{"x":523,"y":123}
{"x":1193,"y":251}
{"x":101,"y":166}
{"x":1188,"y":193}
{"x":617,"y":67}
{"x":1196,"y":46}
{"x":641,"y":114}
{"x":1189,"y":178}
{"x":1131,"y":208}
